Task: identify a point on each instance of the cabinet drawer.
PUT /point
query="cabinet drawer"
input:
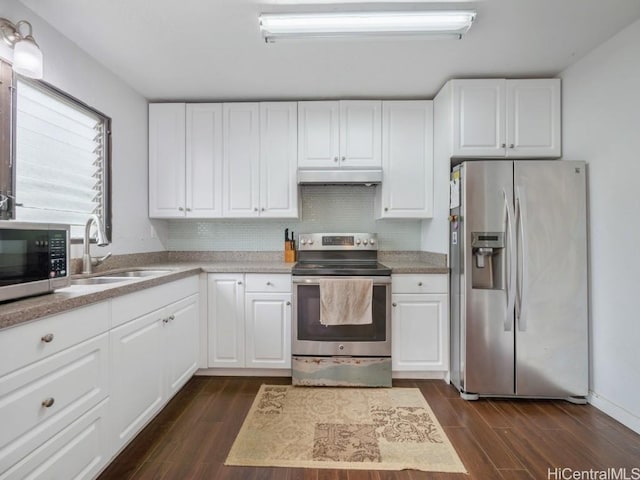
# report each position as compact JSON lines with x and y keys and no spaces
{"x":70,"y":382}
{"x":419,"y":283}
{"x":268,"y":282}
{"x":33,"y":341}
{"x":78,"y":451}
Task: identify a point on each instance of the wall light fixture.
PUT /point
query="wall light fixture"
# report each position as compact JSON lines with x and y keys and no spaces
{"x":27,"y":56}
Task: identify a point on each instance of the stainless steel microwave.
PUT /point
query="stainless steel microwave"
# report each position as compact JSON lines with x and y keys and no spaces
{"x":34,"y":258}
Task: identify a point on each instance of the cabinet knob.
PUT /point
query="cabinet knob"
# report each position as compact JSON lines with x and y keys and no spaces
{"x":48,"y":338}
{"x":503,"y":145}
{"x":386,"y":209}
{"x":239,"y":283}
{"x":344,"y":159}
{"x":419,"y":284}
{"x":269,"y":284}
{"x":188,"y":209}
{"x":181,"y":209}
{"x":288,"y":303}
{"x":335,"y":159}
{"x":172,"y":317}
{"x":255,"y":209}
{"x":394,"y":304}
{"x":165,"y":320}
{"x":263,"y":209}
{"x":48,"y":402}
{"x":511,"y":145}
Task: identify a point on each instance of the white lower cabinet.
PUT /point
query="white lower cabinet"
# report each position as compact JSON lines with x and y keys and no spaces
{"x":47,"y":391}
{"x":249,"y":320}
{"x":420,"y":324}
{"x":152,"y":354}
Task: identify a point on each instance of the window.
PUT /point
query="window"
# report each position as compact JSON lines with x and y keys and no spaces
{"x":61,"y":159}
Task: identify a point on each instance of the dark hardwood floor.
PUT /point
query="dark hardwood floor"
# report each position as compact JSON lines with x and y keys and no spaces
{"x":496,"y":439}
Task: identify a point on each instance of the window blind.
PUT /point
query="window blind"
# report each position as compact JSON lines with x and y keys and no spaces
{"x":60,"y":159}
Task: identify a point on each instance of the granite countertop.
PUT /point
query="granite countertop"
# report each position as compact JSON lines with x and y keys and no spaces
{"x":182,"y":265}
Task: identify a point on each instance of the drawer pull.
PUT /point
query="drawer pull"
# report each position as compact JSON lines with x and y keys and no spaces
{"x":394,"y":304}
{"x":269,"y":284}
{"x":419,"y":284}
{"x":288,"y":303}
{"x":48,"y":338}
{"x":165,"y":320}
{"x":172,"y":317}
{"x":48,"y":402}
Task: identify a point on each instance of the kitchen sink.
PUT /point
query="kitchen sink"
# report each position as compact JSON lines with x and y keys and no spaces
{"x":96,"y":281}
{"x":135,"y":273}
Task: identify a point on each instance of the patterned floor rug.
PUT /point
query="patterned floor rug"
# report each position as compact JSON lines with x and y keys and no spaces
{"x":350,"y":428}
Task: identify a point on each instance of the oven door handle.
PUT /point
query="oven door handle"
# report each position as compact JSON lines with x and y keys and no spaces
{"x":311,"y":280}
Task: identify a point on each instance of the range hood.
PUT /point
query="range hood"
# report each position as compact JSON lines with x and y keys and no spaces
{"x":342,"y":176}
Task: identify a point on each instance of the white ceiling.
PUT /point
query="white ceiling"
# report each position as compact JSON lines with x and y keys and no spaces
{"x":212,"y":49}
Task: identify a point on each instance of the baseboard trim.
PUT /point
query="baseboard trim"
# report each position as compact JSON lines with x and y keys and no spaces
{"x":617,"y":412}
{"x":419,"y":375}
{"x":244,"y":372}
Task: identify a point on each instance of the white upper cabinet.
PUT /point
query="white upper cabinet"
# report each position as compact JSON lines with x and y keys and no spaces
{"x":340,"y":134}
{"x":241,"y":159}
{"x":407,"y":160}
{"x":497,"y":118}
{"x":204,"y":160}
{"x":185,"y":160}
{"x":278,"y":159}
{"x":260,"y":160}
{"x":167,"y":160}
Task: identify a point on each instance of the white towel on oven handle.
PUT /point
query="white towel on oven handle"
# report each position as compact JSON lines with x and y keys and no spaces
{"x":346,"y":301}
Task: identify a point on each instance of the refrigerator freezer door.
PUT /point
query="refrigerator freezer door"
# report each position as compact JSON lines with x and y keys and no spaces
{"x":551,"y":328}
{"x":487,"y":328}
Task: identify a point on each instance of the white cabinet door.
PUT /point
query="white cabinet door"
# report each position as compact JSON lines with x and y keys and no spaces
{"x":360,"y":133}
{"x":407,"y":160}
{"x":268,"y":330}
{"x":418,"y":333}
{"x":204,"y":160}
{"x":278,"y":160}
{"x":166,"y":160}
{"x":241,"y":159}
{"x":226,"y":320}
{"x":319,"y":134}
{"x":181,"y":331}
{"x":533,"y":118}
{"x":137,"y":374}
{"x":479,"y":118}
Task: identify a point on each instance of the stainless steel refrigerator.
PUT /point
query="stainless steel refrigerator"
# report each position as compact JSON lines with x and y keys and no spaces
{"x":518,"y":257}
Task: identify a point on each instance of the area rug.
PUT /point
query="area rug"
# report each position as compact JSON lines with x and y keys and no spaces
{"x":346,"y":428}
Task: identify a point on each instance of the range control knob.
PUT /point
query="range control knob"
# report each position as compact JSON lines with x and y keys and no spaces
{"x":372,"y":242}
{"x":357,"y":241}
{"x":310,"y":241}
{"x":365,"y":241}
{"x":303,"y":242}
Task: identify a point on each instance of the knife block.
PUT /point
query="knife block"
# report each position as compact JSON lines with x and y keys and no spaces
{"x":289,"y":252}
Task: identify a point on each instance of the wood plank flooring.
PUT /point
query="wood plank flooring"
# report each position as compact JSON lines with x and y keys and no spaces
{"x":496,"y":439}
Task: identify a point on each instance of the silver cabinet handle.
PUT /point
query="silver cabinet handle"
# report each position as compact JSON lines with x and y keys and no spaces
{"x":48,"y":402}
{"x":394,"y":304}
{"x":48,"y":338}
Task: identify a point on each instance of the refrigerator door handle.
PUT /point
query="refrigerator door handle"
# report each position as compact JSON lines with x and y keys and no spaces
{"x":524,"y":269}
{"x":511,"y":264}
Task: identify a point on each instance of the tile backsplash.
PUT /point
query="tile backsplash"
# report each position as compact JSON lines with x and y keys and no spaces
{"x":324,"y":208}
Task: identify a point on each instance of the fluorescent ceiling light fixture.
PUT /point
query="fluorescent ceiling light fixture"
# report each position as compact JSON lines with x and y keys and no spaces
{"x":276,"y":26}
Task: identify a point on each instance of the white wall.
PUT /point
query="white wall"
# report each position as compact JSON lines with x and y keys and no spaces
{"x":70,"y":69}
{"x":601,"y":124}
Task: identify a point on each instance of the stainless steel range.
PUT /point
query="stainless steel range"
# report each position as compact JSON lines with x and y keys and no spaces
{"x":341,"y":312}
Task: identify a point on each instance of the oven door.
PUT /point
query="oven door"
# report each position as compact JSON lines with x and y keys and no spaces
{"x":310,"y":337}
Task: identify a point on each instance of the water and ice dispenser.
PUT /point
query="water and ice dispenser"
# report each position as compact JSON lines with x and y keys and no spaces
{"x":488,"y":270}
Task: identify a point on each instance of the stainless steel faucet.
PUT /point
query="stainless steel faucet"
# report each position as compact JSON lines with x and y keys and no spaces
{"x":87,"y":262}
